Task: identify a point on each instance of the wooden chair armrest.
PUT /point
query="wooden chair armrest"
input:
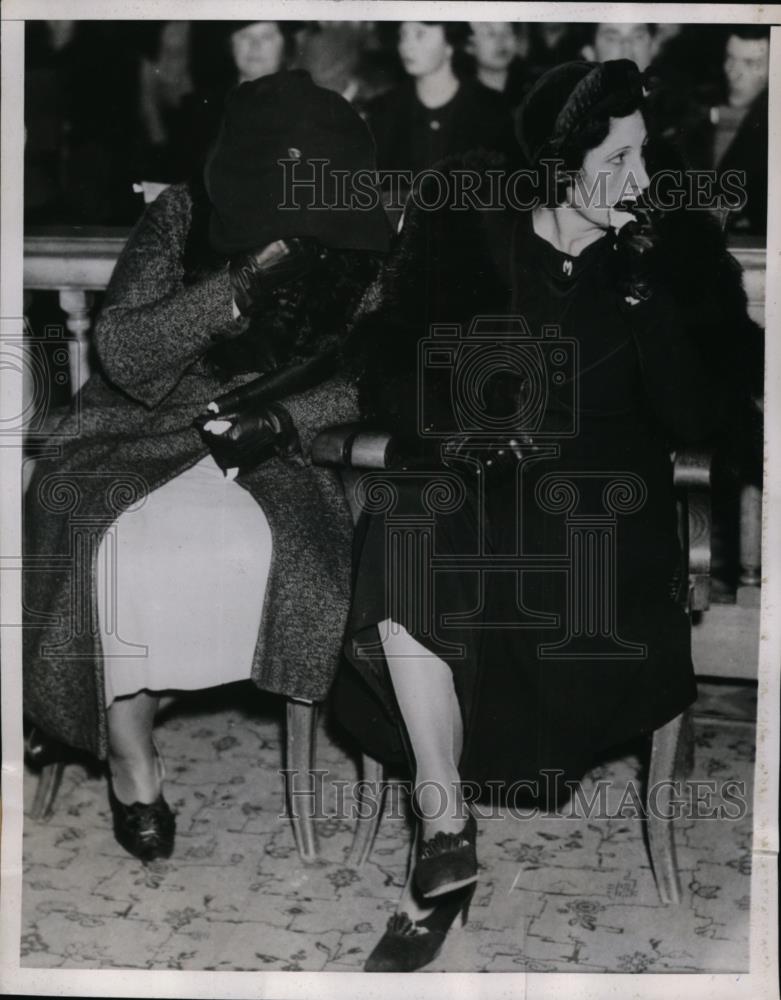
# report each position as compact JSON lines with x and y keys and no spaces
{"x":350,"y":449}
{"x":692,"y":467}
{"x":353,"y":446}
{"x":692,"y":478}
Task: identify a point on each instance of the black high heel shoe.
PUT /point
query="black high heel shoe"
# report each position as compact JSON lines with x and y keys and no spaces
{"x":146,"y":831}
{"x":408,"y":945}
{"x":447,"y":861}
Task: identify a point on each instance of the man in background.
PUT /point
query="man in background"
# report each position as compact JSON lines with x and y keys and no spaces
{"x":731,"y":133}
{"x":622,"y":41}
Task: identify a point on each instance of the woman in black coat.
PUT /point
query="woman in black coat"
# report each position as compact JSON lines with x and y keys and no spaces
{"x":436,"y":111}
{"x":513,"y":612}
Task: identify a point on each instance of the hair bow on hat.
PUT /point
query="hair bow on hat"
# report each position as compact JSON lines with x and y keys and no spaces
{"x":572,"y":94}
{"x":615,"y":81}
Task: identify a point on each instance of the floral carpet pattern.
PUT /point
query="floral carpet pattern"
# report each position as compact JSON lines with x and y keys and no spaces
{"x":556,"y":894}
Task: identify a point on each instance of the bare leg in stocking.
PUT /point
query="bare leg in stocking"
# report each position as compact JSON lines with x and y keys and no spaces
{"x":424,"y":689}
{"x":133,"y":762}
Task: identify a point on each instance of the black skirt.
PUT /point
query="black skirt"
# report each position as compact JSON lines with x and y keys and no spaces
{"x":547,"y":678}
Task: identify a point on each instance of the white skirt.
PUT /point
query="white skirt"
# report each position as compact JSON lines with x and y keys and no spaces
{"x":181,"y":582}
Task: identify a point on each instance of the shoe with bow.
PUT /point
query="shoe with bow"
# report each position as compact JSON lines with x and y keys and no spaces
{"x":447,"y":861}
{"x":408,"y":945}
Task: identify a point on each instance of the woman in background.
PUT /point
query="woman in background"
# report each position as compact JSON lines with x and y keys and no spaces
{"x":435,"y":112}
{"x":499,"y":50}
{"x":183,"y":87}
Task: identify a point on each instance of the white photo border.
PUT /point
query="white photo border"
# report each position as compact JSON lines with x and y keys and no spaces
{"x":762,"y":980}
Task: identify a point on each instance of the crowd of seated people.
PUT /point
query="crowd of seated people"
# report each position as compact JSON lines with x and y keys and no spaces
{"x":109,"y":104}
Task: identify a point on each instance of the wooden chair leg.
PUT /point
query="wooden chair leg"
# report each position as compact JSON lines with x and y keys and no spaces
{"x":661,"y":833}
{"x":301,"y":788}
{"x":46,"y":790}
{"x":370,"y":813}
{"x":684,"y":765}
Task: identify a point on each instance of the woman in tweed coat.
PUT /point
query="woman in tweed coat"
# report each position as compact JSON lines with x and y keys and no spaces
{"x":170,"y":325}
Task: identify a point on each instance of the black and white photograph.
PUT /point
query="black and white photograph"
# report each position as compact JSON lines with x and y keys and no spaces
{"x":390,"y":455}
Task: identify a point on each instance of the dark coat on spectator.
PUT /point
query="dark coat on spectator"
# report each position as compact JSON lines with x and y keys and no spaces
{"x":452,"y":266}
{"x":475,"y":118}
{"x":747,"y":152}
{"x":130,"y":431}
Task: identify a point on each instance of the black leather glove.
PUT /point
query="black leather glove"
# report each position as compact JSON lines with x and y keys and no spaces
{"x":496,"y":458}
{"x":634,"y":248}
{"x":255,"y":434}
{"x":256,"y":272}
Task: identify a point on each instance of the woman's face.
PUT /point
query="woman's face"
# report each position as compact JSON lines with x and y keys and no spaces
{"x":258,"y":50}
{"x":493,"y":44}
{"x":423,"y":48}
{"x":612,"y":172}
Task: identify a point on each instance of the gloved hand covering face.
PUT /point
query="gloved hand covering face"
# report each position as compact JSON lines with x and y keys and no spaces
{"x":268,"y":288}
{"x":256,"y":272}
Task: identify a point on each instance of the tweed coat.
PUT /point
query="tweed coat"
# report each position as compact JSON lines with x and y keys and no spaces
{"x":128,"y":432}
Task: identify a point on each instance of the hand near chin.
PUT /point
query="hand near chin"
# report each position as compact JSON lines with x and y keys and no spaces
{"x":617,"y":218}
{"x":636,"y":238}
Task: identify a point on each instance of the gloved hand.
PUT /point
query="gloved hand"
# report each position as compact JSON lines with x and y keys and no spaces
{"x":634,"y":245}
{"x":495,"y":458}
{"x":257,"y":271}
{"x":244,"y":440}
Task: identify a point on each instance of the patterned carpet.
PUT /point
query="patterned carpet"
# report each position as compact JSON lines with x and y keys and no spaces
{"x":555,"y":894}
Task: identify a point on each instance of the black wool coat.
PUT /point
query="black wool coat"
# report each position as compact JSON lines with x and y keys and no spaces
{"x":449,"y":267}
{"x":130,"y":431}
{"x":746,"y":154}
{"x":478,"y":119}
{"x":695,"y":350}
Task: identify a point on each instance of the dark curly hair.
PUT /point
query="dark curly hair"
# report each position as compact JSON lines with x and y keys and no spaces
{"x":591,"y":133}
{"x":568,"y":113}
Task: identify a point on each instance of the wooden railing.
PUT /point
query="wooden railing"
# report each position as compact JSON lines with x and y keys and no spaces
{"x":76,"y":262}
{"x":750,"y":253}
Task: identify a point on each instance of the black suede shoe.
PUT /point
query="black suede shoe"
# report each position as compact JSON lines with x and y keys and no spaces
{"x":145,"y":831}
{"x":408,"y":945}
{"x":447,"y":861}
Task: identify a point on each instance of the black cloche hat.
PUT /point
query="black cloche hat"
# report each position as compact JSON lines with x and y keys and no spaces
{"x":285,"y":116}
